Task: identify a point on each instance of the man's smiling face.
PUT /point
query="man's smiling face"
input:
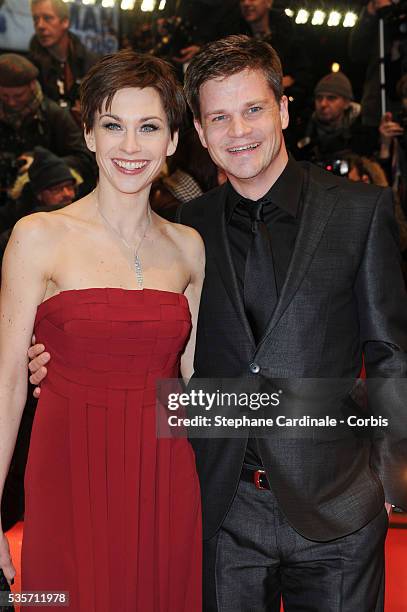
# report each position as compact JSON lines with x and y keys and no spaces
{"x":241,"y":124}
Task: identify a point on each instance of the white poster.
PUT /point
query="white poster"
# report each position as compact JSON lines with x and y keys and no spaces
{"x":97,"y":27}
{"x":16,"y":25}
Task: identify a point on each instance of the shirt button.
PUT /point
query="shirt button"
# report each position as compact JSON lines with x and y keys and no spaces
{"x":254,"y":368}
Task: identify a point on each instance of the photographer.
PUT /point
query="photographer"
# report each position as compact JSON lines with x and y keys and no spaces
{"x":335,"y":127}
{"x":364,"y":47}
{"x":61,"y":58}
{"x":51,"y":185}
{"x":196,"y":23}
{"x":28,"y":119}
{"x":393,"y":145}
{"x":262,"y":21}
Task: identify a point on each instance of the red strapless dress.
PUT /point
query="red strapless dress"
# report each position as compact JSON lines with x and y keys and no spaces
{"x":113,"y":513}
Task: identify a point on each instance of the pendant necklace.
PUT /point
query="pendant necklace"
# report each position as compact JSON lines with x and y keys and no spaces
{"x":137,"y":262}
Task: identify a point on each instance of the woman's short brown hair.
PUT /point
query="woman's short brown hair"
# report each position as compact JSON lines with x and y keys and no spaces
{"x":228,"y":56}
{"x":130,"y":69}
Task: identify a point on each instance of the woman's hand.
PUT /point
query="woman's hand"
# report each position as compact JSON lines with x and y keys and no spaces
{"x":6,"y":563}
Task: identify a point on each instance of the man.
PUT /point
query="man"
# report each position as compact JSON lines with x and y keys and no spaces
{"x":335,"y":128}
{"x":205,"y":20}
{"x":364,"y":47}
{"x":51,"y":186}
{"x":29,"y":119}
{"x":311,"y":527}
{"x":58,"y":54}
{"x":262,"y":21}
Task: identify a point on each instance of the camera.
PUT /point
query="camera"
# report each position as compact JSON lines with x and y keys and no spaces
{"x":176,"y":34}
{"x":340,"y":167}
{"x":401,"y":118}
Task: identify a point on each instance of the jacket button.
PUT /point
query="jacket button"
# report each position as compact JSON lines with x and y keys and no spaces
{"x":254,"y":368}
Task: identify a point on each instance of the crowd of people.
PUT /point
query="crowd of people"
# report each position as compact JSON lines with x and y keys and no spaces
{"x":39,"y":103}
{"x":239,"y":144}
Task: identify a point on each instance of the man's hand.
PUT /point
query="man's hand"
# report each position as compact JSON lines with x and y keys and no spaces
{"x":389,"y":130}
{"x":187,"y":54}
{"x":375,"y":5}
{"x":288,"y":81}
{"x":388,"y":508}
{"x":38,"y":359}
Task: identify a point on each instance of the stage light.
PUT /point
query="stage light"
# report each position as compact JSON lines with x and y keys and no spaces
{"x":302,"y":16}
{"x":108,"y":3}
{"x":127,"y":5}
{"x":147,"y":6}
{"x":88,"y":1}
{"x":350,"y":19}
{"x":289,"y":12}
{"x":161,"y":6}
{"x":318,"y":18}
{"x":334,"y":19}
{"x":335,"y":67}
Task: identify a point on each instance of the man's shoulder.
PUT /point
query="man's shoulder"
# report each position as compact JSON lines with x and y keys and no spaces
{"x":345,"y":187}
{"x":189,"y":212}
{"x":81,"y":52}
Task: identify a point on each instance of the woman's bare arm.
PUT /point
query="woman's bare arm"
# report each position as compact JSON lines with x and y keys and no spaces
{"x":24,"y":280}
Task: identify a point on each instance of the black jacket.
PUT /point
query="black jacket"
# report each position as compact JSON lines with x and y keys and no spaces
{"x":343,"y":302}
{"x":80,"y":60}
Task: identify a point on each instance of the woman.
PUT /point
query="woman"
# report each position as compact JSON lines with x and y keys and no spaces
{"x":112,"y":512}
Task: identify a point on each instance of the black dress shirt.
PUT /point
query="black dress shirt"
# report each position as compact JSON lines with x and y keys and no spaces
{"x":281,"y":214}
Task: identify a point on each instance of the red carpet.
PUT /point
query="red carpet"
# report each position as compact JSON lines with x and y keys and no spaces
{"x":396,"y":562}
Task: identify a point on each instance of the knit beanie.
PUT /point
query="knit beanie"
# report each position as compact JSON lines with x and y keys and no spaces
{"x":16,"y":70}
{"x":335,"y":83}
{"x":47,"y":170}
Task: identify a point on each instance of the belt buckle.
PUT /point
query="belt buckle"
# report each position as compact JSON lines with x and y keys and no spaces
{"x":257,"y":479}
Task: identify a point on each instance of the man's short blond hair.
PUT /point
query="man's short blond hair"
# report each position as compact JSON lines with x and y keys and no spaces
{"x":61,"y":8}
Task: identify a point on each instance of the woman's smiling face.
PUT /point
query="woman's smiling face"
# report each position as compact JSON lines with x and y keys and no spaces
{"x":131,"y":139}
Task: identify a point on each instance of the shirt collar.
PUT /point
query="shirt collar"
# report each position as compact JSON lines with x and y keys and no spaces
{"x":285,"y":193}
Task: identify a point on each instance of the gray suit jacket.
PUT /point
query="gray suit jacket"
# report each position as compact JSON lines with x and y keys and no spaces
{"x":343,"y":304}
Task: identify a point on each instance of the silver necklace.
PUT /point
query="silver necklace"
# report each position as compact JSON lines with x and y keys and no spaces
{"x":137,"y":262}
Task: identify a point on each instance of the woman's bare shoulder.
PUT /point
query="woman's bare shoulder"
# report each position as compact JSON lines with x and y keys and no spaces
{"x":33,"y":228}
{"x":53,"y":224}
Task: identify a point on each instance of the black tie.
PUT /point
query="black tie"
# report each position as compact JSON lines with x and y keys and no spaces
{"x":260,"y":292}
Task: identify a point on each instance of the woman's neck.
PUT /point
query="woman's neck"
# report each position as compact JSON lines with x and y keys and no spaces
{"x":127,"y":214}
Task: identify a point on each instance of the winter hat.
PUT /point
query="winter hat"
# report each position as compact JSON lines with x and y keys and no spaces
{"x":16,"y":70}
{"x":335,"y":83}
{"x":47,"y":170}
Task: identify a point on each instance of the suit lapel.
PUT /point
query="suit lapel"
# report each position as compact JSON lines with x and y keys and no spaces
{"x":319,"y":202}
{"x":219,"y":250}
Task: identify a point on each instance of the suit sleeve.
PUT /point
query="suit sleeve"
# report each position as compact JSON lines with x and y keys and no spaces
{"x":382,"y":304}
